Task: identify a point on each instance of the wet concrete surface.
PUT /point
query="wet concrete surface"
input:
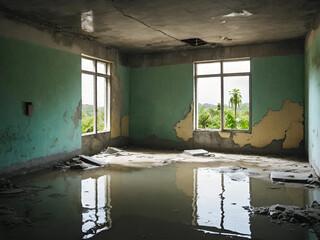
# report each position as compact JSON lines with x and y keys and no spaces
{"x":180,"y":197}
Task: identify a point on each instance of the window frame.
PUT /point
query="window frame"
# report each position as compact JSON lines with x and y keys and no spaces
{"x":108,"y":91}
{"x":222,"y":75}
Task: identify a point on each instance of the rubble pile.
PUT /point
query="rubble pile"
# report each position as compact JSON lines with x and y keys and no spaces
{"x":307,"y":217}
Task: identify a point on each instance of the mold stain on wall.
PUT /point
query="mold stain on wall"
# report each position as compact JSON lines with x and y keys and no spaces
{"x":49,"y":78}
{"x":116,"y":103}
{"x":312,"y":95}
{"x":125,"y":126}
{"x":287,"y":124}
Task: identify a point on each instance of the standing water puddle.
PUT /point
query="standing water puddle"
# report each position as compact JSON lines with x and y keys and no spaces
{"x":178,"y":201}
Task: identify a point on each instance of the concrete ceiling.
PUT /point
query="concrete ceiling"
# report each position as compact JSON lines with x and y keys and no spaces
{"x":154,"y":25}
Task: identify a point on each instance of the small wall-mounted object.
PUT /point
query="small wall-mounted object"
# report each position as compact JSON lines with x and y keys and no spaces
{"x":28,"y":108}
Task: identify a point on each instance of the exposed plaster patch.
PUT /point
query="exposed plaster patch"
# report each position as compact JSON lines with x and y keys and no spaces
{"x":294,"y":136}
{"x":274,"y":126}
{"x":125,"y":126}
{"x":224,"y":134}
{"x":244,"y":13}
{"x":184,"y":127}
{"x":77,"y":115}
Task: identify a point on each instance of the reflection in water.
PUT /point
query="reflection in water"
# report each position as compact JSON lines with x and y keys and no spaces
{"x":95,"y":200}
{"x":218,"y":200}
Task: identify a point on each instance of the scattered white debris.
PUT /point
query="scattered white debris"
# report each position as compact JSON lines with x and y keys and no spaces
{"x":244,"y":13}
{"x":291,"y":177}
{"x":93,"y":161}
{"x":195,"y":152}
{"x":112,"y":150}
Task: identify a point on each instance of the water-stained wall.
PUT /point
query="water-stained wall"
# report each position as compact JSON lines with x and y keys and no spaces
{"x":312,"y":96}
{"x":42,"y":66}
{"x":161,"y":108}
{"x":49,"y":79}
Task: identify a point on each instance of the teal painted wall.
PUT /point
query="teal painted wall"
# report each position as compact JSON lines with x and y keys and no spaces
{"x":313,"y":102}
{"x":274,"y":80}
{"x":123,"y":73}
{"x":49,"y":78}
{"x":159,"y":98}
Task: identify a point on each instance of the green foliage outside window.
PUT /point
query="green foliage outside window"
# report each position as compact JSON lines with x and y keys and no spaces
{"x":210,"y":117}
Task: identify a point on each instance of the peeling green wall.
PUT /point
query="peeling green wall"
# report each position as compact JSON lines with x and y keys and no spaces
{"x":123,"y":73}
{"x":51,"y":80}
{"x":159,"y":98}
{"x":313,"y":102}
{"x":274,"y":80}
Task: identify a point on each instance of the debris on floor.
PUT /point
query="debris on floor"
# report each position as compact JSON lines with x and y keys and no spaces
{"x":292,"y":177}
{"x":307,"y":217}
{"x":93,"y":161}
{"x":117,"y":151}
{"x":198,"y":152}
{"x":8,"y":189}
{"x":79,"y":162}
{"x":8,"y":217}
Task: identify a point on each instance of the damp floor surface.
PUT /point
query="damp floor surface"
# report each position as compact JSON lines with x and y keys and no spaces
{"x":181,"y":200}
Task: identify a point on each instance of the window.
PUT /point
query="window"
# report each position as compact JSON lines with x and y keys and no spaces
{"x":95,"y":91}
{"x":222,"y":95}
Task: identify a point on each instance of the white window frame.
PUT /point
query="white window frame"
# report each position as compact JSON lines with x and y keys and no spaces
{"x":107,"y":76}
{"x":221,"y":75}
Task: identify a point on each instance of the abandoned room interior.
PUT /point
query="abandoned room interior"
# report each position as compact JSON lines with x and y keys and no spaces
{"x":159,"y":119}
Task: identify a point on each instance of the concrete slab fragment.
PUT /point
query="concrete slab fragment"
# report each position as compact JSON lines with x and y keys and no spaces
{"x":93,"y":161}
{"x":195,"y":152}
{"x":291,"y":177}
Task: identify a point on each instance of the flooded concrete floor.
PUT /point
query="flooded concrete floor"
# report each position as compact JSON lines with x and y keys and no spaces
{"x":181,"y":198}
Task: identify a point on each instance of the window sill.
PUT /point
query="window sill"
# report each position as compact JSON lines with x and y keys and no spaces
{"x":92,"y":133}
{"x":224,"y":130}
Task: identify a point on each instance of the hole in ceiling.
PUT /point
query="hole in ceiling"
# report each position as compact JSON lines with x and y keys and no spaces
{"x":194,"y":41}
{"x":87,"y":21}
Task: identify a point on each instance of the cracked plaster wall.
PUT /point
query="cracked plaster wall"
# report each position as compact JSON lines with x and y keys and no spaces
{"x":312,"y":93}
{"x":48,"y":78}
{"x":40,"y":65}
{"x":156,"y":95}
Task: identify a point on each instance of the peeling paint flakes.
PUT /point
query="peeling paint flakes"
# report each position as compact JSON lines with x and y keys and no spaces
{"x":285,"y":123}
{"x":184,"y":129}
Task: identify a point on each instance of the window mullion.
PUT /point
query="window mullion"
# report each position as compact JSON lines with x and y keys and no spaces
{"x":95,"y":128}
{"x":222,"y":97}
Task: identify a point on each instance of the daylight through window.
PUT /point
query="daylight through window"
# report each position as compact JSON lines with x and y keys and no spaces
{"x":223,"y":94}
{"x":95,"y":91}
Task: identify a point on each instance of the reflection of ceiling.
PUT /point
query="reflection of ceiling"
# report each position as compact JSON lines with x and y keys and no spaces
{"x":144,"y":25}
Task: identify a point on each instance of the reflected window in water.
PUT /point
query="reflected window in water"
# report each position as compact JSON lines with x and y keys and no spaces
{"x":96,"y":205}
{"x":218,"y":200}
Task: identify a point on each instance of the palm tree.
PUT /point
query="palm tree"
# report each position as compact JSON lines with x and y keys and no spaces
{"x":235,"y":100}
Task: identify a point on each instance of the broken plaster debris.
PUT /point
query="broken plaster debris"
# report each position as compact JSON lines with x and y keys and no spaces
{"x":198,"y":152}
{"x":92,"y":161}
{"x":195,"y":152}
{"x":307,"y":217}
{"x":75,"y":163}
{"x":244,"y":13}
{"x":292,"y":177}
